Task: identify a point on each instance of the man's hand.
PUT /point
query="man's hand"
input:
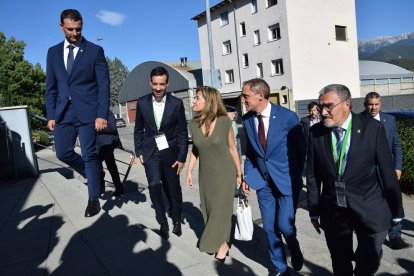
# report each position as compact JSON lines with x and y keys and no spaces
{"x":51,"y":125}
{"x":398,"y":173}
{"x":179,"y":166}
{"x":315,"y":223}
{"x":141,"y":159}
{"x":246,"y":188}
{"x":100,"y":124}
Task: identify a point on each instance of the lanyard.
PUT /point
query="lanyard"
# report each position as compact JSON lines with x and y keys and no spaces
{"x":156,"y":120}
{"x":343,"y":149}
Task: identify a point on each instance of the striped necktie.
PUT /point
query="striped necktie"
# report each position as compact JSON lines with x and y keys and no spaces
{"x":339,"y":135}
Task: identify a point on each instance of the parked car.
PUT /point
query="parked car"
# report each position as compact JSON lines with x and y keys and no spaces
{"x":401,"y":114}
{"x":120,"y":122}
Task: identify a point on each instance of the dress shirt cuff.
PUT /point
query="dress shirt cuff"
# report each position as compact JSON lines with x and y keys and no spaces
{"x":396,"y":220}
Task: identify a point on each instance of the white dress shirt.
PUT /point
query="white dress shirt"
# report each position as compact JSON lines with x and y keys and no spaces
{"x":158,"y":110}
{"x":66,"y":52}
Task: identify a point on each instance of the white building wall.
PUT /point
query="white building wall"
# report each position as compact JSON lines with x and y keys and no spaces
{"x":317,"y":58}
{"x":312,"y":58}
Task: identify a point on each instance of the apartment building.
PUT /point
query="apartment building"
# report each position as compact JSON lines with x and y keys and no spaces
{"x":297,"y":46}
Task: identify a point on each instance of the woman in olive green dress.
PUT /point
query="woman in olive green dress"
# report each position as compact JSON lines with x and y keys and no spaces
{"x":219,"y":169}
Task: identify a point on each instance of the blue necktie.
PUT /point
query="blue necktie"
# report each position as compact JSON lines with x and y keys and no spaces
{"x":339,"y":134}
{"x":71,"y":59}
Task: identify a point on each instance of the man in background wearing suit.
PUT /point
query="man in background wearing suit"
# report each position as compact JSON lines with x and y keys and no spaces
{"x":77,"y":101}
{"x":312,"y":119}
{"x":372,"y":105}
{"x":345,"y":155}
{"x":275,"y":156}
{"x":161,"y":142}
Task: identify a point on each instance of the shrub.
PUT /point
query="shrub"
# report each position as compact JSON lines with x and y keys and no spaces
{"x":406,"y":130}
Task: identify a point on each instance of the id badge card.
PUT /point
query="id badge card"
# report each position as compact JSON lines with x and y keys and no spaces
{"x":340,"y":193}
{"x":161,"y":141}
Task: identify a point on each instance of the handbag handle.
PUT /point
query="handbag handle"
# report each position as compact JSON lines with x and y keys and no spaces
{"x":240,"y":193}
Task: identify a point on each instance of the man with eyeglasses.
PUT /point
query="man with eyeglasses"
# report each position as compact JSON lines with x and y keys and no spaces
{"x":345,"y":154}
{"x":372,"y":105}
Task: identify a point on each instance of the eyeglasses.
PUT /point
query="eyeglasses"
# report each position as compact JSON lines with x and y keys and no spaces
{"x":329,"y":108}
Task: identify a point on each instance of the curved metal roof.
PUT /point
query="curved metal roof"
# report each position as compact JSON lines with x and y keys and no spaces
{"x":137,"y":83}
{"x":369,"y":69}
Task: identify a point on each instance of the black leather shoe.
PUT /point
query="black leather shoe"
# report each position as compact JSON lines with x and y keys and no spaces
{"x":398,"y":243}
{"x":297,"y":259}
{"x":164,"y":230}
{"x":117,"y":193}
{"x":93,"y":207}
{"x":177,"y":228}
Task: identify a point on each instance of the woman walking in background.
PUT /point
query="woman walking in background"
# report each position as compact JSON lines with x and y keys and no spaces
{"x":219,"y":169}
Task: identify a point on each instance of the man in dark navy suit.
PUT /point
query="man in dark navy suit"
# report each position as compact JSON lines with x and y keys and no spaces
{"x":77,"y":101}
{"x":351,"y":183}
{"x":160,"y":138}
{"x":372,"y":105}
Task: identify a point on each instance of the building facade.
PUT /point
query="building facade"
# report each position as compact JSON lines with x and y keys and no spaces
{"x":385,"y":79}
{"x":298,"y":46}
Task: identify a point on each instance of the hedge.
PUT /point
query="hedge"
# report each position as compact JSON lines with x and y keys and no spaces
{"x":406,"y":130}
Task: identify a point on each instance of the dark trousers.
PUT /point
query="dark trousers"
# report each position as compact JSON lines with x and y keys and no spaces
{"x":106,"y":153}
{"x":88,"y":164}
{"x":158,"y":168}
{"x":368,"y":253}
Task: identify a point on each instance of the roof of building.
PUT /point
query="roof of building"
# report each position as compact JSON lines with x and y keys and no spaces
{"x":369,"y":69}
{"x":181,"y":78}
{"x":213,"y":8}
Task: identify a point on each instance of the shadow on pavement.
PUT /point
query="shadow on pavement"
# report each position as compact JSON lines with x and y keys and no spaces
{"x":117,"y":248}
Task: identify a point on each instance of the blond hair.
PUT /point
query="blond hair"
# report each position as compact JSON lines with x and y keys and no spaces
{"x":214,"y":107}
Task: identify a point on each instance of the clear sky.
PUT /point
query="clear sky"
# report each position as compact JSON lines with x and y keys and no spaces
{"x":136,"y":30}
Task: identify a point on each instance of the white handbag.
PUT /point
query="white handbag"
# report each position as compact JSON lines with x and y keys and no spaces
{"x":244,"y":224}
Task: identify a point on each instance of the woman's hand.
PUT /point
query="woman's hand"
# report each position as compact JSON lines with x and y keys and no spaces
{"x":239,"y":181}
{"x":189,"y":179}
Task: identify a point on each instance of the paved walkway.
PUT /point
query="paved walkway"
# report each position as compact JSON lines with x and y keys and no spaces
{"x":43,"y":231}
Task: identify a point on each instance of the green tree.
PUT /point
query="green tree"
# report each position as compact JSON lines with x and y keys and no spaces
{"x":21,"y":83}
{"x":118,"y":73}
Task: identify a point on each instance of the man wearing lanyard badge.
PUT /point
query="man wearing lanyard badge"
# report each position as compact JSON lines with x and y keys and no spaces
{"x":344,"y":194}
{"x":160,"y":138}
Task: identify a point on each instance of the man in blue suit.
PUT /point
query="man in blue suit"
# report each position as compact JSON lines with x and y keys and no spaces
{"x":160,"y":138}
{"x":275,"y":157}
{"x":77,"y":101}
{"x":372,"y":105}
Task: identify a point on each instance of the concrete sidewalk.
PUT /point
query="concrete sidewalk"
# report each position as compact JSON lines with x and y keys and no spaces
{"x":43,"y":231}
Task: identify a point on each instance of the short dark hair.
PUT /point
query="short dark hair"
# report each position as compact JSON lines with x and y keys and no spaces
{"x":71,"y":14}
{"x":311,"y":105}
{"x":256,"y":85}
{"x":159,"y":71}
{"x":371,"y":95}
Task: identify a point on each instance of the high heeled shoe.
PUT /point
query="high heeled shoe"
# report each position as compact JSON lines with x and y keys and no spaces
{"x":222,"y":259}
